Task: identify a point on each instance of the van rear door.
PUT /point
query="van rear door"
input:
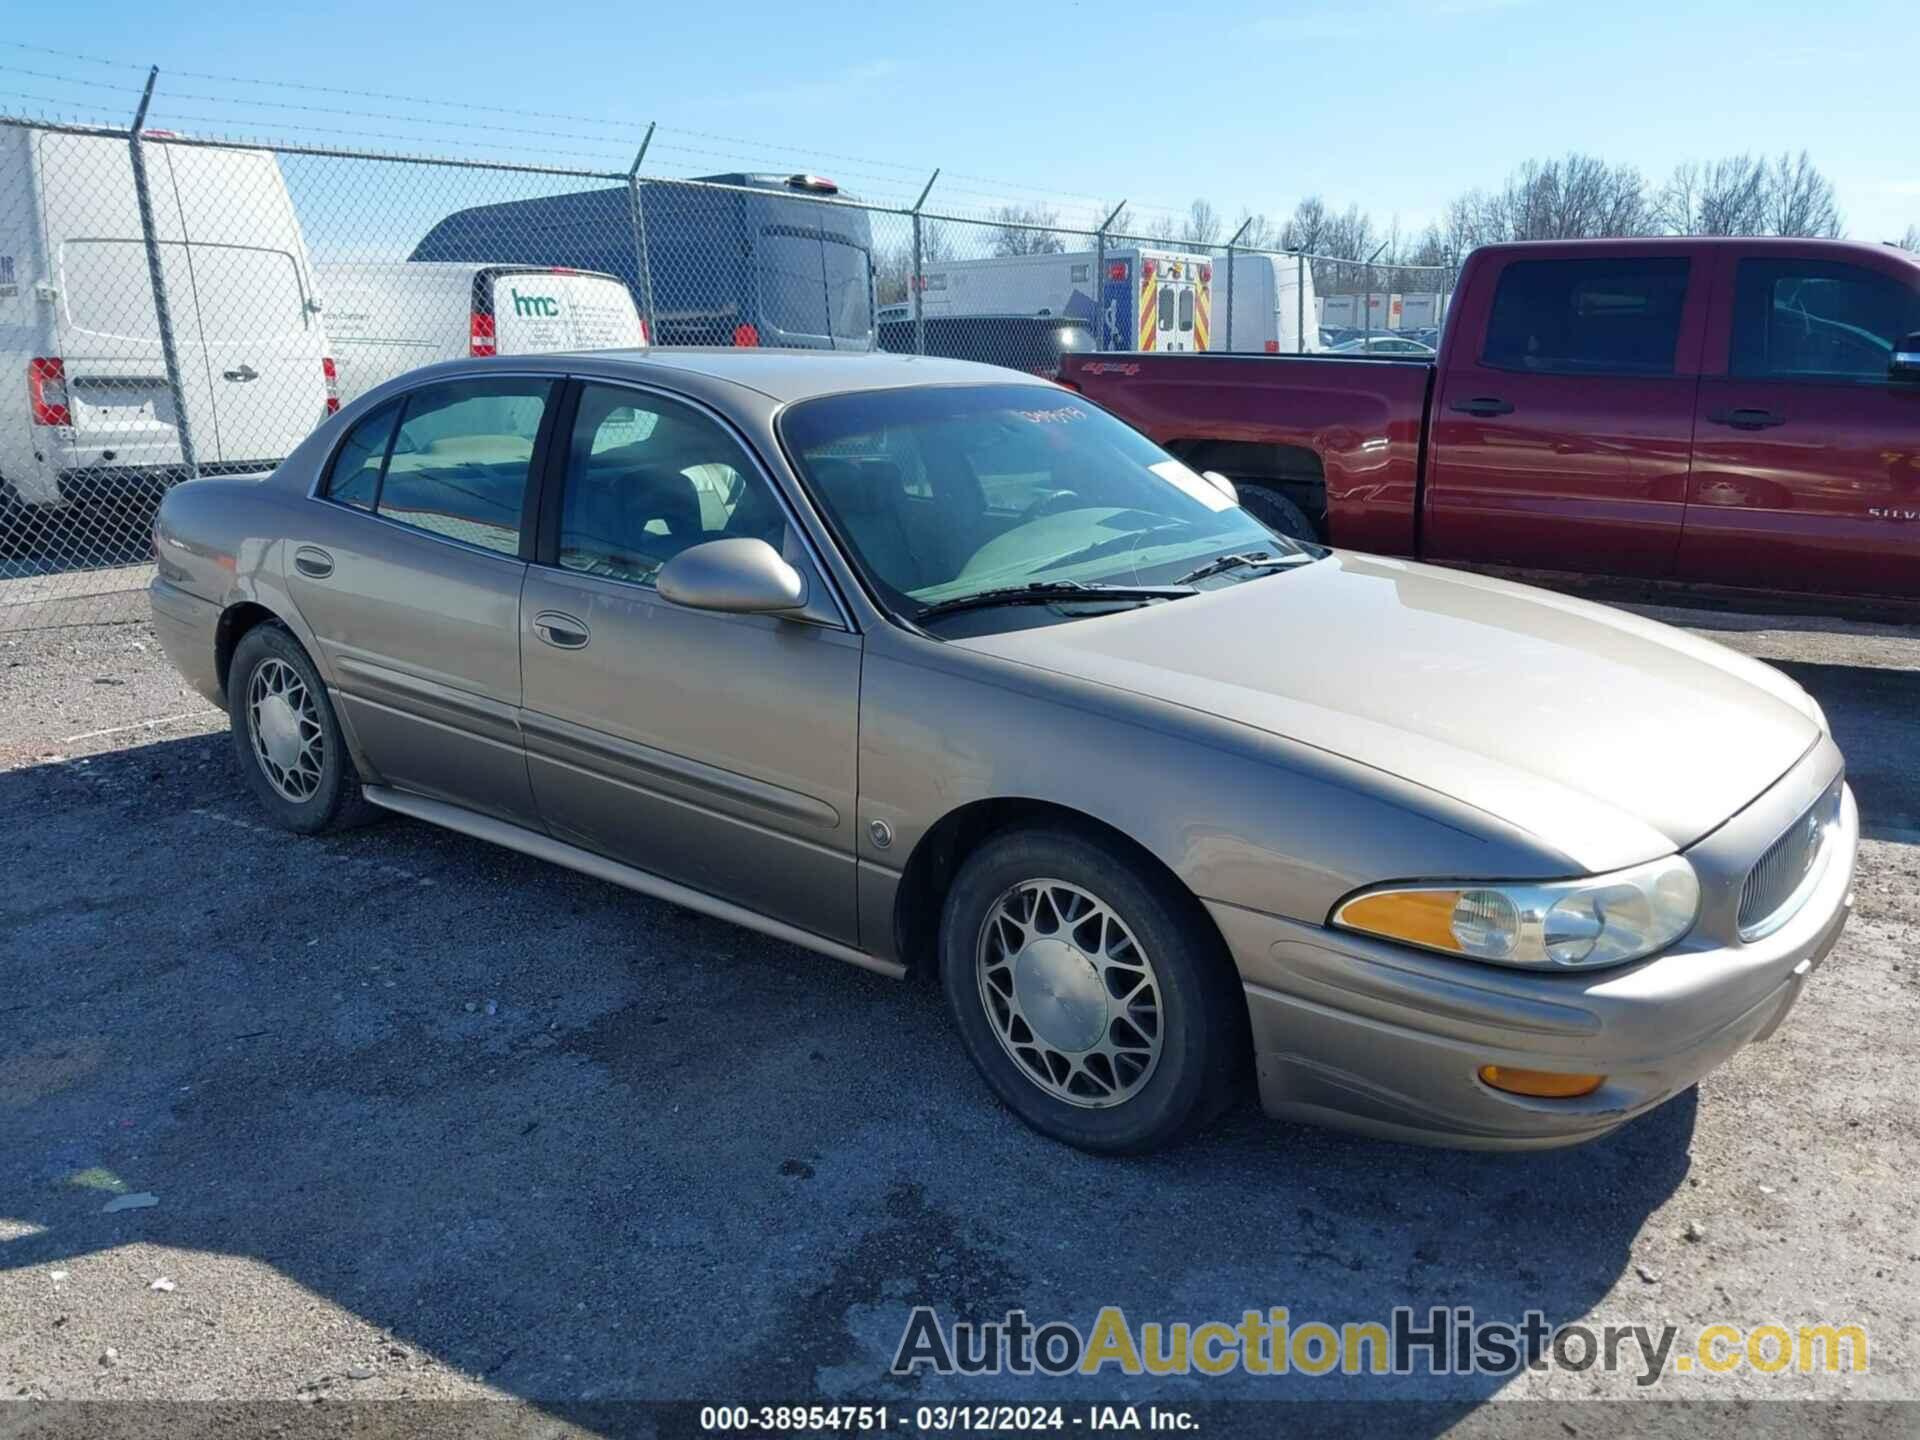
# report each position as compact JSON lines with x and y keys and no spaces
{"x":816,"y":289}
{"x":538,"y":312}
{"x":263,"y":342}
{"x":108,"y":331}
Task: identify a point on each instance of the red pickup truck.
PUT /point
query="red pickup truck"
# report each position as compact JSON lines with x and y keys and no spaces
{"x":1733,"y":412}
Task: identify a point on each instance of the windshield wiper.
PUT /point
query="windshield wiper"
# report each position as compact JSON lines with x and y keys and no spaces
{"x":1049,"y":592}
{"x":1258,"y":559}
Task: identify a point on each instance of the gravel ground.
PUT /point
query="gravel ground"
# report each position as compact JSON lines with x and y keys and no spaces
{"x":424,"y":1118}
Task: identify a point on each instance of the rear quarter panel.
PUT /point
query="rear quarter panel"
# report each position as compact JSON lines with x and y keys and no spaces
{"x":1363,"y":418}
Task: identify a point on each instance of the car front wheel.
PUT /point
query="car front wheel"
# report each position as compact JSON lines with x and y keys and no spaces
{"x":1091,"y":992}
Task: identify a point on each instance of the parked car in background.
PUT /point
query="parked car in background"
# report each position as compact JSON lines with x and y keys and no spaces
{"x":1269,"y":297}
{"x":1384,"y":345}
{"x":1033,"y":343}
{"x":1736,"y":412}
{"x":925,"y":664}
{"x":732,"y":259}
{"x":86,"y":409}
{"x":386,"y":319}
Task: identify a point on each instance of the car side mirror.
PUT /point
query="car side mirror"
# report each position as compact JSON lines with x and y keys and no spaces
{"x":1905,"y":364}
{"x":737,"y":577}
{"x":1221,"y":483}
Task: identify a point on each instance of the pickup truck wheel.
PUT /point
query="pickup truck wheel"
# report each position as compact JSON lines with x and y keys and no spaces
{"x":1276,"y":512}
{"x":288,"y":739}
{"x":1091,"y":993}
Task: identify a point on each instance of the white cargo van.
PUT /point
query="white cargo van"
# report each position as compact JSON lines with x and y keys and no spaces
{"x":85,"y":404}
{"x":1265,"y":293}
{"x":386,"y":319}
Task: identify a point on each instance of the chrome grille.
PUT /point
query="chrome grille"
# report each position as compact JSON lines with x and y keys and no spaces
{"x":1778,"y":884}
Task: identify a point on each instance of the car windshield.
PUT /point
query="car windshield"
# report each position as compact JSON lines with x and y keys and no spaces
{"x":939,"y":493}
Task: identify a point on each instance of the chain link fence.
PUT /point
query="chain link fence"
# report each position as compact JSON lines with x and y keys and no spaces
{"x":173,"y":306}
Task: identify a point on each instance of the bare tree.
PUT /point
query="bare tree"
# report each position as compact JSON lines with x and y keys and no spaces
{"x":1203,"y":224}
{"x":1722,"y":197}
{"x":1306,"y":228}
{"x":1911,"y":240}
{"x":1800,"y":200}
{"x":1256,"y":231}
{"x":1026,"y":230}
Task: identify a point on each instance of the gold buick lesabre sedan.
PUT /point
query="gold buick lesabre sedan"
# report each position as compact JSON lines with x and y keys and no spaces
{"x":931,"y":666}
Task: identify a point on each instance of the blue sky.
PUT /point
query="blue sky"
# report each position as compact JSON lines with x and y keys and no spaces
{"x":1394,"y":104}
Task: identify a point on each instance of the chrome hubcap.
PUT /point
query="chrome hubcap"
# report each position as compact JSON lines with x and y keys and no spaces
{"x":284,"y":726}
{"x":1071,"y":995}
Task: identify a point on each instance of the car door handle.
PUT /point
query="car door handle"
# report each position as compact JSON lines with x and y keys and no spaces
{"x":1747,"y":418}
{"x":1484,"y":405}
{"x":560,"y":629}
{"x":315,"y":564}
{"x":242,"y":373}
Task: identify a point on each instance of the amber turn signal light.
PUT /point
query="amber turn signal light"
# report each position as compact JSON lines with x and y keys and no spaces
{"x":1540,"y":1084}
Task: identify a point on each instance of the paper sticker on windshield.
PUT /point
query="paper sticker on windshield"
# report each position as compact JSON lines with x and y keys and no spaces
{"x":1062,"y":415}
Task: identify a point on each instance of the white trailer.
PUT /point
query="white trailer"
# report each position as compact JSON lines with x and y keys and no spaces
{"x":1145,"y":299}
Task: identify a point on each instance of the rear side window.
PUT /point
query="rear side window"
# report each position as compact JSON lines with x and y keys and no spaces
{"x":452,"y":460}
{"x":460,"y":461}
{"x":355,"y":479}
{"x":1588,"y":317}
{"x":1818,"y":320}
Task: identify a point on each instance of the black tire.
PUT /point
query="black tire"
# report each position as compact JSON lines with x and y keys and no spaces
{"x":333,"y":801}
{"x":1277,"y":512}
{"x":1202,"y":1010}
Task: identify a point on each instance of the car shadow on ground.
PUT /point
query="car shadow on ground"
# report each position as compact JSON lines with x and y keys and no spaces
{"x":583,"y":1145}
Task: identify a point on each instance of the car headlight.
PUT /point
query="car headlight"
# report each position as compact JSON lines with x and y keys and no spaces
{"x":1541,"y":925}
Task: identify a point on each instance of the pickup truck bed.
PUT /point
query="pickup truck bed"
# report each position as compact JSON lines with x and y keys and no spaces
{"x":1741,"y":413}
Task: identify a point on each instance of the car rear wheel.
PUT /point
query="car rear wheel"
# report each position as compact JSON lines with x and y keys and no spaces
{"x":1090,"y":991}
{"x":287,"y":736}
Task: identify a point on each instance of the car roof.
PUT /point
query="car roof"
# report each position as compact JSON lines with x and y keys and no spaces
{"x":788,"y":375}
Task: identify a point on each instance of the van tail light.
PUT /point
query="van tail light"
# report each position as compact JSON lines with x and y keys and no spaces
{"x":745,"y":334}
{"x":1273,"y":347}
{"x":1066,"y":384}
{"x":481,"y":341}
{"x":645,"y":338}
{"x":332,"y":377}
{"x":47,"y":391}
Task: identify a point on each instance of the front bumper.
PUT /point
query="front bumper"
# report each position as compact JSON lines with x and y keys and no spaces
{"x":1370,"y":1036}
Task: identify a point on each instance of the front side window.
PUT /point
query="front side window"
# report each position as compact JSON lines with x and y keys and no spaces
{"x":460,"y":460}
{"x":1818,"y":320}
{"x":1588,"y":317}
{"x":647,"y":477}
{"x":947,"y":491}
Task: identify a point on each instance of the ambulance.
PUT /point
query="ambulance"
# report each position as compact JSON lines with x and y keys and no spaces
{"x":1141,"y":299}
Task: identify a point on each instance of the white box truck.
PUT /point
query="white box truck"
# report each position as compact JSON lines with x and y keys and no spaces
{"x":1159,"y":300}
{"x":1267,"y":305}
{"x":86,"y":407}
{"x":387,"y":318}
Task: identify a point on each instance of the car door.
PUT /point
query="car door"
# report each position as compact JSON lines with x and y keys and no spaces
{"x":408,"y":568}
{"x":1561,"y":432}
{"x":716,"y":750}
{"x":1806,"y":471}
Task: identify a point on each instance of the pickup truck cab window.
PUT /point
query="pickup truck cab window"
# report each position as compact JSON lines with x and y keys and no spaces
{"x":1588,"y":317}
{"x":1806,"y":319}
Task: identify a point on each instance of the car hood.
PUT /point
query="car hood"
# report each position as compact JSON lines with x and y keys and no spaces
{"x":1610,"y":738}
